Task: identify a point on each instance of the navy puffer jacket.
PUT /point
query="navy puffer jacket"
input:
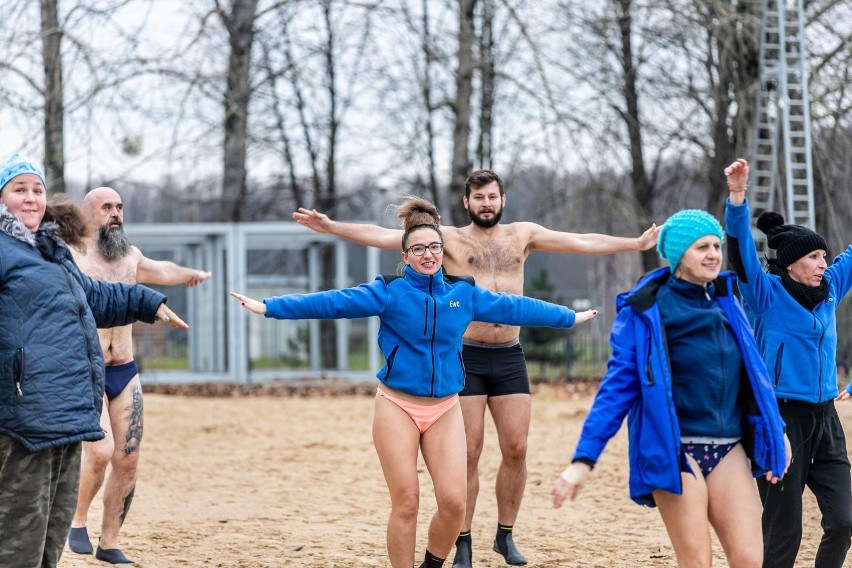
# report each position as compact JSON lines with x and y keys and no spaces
{"x":51,"y":364}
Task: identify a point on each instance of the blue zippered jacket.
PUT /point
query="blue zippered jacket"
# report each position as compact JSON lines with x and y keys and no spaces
{"x":423,"y":318}
{"x":798,"y":345}
{"x":638,"y":385}
{"x":51,"y":363}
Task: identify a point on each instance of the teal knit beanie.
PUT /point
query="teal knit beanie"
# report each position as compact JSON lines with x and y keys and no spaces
{"x":15,"y":166}
{"x":684,"y":228}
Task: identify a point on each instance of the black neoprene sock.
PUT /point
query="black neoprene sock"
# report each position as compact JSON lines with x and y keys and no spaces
{"x":502,"y":532}
{"x":432,"y":561}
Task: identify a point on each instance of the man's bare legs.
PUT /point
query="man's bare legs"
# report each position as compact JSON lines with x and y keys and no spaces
{"x":96,"y":456}
{"x":126,"y":415}
{"x":121,"y":419}
{"x":511,"y":415}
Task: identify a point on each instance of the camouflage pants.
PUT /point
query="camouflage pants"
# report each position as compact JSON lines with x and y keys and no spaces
{"x":38,"y":495}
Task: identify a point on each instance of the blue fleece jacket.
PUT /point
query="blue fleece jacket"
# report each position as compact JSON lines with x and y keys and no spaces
{"x":699,"y":337}
{"x":638,"y":385}
{"x":423,"y":318}
{"x":798,"y":345}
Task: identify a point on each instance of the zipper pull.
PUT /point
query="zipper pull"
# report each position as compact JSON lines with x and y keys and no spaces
{"x":18,"y":388}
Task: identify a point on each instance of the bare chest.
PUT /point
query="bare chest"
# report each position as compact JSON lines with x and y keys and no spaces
{"x":497,"y":264}
{"x":122,"y":270}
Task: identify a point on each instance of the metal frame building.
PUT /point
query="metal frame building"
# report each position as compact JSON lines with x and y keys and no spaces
{"x":218,"y":338}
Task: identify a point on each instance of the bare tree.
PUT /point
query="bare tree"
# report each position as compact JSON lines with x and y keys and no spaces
{"x":461,"y":163}
{"x":239,"y":23}
{"x":54,"y":108}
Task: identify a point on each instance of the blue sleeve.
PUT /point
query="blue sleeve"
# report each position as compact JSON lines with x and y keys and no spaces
{"x":360,"y":302}
{"x":618,"y":392}
{"x":755,"y":285}
{"x":114,"y":304}
{"x":839,"y":274}
{"x":511,"y":309}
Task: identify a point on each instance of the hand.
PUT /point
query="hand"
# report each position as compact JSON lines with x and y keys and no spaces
{"x":570,"y":483}
{"x":649,"y":238}
{"x":737,"y":174}
{"x":581,"y":317}
{"x":248,"y":303}
{"x":313,"y":220}
{"x":197,"y":278}
{"x":844,"y":394}
{"x":166,"y":315}
{"x":788,"y":452}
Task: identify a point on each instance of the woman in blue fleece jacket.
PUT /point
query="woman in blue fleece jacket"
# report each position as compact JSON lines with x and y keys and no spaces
{"x":702,"y":417}
{"x":792,"y":306}
{"x":423,"y":315}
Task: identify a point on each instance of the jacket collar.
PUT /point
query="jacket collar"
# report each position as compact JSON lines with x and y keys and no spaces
{"x":423,"y":281}
{"x":12,"y":226}
{"x":644,"y":294}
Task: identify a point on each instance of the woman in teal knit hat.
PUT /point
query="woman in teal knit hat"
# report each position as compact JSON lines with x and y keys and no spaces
{"x":702,"y":417}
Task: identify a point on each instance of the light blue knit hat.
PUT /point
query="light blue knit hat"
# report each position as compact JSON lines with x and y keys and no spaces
{"x":15,"y":166}
{"x":684,"y":228}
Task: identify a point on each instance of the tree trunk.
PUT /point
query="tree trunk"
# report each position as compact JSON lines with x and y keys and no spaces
{"x":428,"y":107}
{"x":489,"y":76}
{"x":461,"y":132}
{"x":642,"y":186}
{"x":240,"y":26}
{"x":54,"y":108}
{"x":737,"y":45}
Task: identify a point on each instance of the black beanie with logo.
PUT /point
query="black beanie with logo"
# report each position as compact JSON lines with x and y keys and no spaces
{"x":791,"y":242}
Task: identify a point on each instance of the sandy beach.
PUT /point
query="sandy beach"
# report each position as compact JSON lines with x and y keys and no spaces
{"x":273,"y":481}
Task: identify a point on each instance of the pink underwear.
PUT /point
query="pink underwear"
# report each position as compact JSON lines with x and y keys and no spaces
{"x":423,"y":415}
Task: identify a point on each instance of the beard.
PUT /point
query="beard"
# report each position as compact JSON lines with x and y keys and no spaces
{"x":113,"y":243}
{"x":485,"y":223}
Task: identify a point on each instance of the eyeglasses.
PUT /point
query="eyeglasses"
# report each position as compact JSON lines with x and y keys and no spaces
{"x":420,"y":250}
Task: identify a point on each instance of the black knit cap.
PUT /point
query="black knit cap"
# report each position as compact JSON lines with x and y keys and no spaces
{"x":791,"y":242}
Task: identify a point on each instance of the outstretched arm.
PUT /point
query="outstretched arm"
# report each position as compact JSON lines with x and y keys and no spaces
{"x":363,"y":234}
{"x":167,"y":273}
{"x":590,"y":243}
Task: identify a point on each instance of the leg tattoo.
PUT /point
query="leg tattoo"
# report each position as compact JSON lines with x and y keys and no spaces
{"x":134,"y":431}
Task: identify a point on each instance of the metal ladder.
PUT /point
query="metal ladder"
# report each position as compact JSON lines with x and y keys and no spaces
{"x":782,"y":180}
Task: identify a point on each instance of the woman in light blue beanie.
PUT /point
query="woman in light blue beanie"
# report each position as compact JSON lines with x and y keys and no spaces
{"x":702,"y":417}
{"x":684,"y":228}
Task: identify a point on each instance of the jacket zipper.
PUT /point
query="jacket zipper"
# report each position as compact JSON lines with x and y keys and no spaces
{"x":19,"y":375}
{"x":819,"y":355}
{"x":425,"y":316}
{"x":675,"y":440}
{"x":432,"y":340}
{"x":778,"y":364}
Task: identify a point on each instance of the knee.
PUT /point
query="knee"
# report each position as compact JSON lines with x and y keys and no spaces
{"x":125,"y":463}
{"x":748,"y":557}
{"x":515,"y":452}
{"x":405,"y":506}
{"x":98,"y":454}
{"x":453,"y":506}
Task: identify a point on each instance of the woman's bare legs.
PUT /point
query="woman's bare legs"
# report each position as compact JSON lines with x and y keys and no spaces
{"x":445,"y":453}
{"x":397,"y":441}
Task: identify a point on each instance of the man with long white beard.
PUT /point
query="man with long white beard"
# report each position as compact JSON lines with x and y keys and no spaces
{"x":108,"y":255}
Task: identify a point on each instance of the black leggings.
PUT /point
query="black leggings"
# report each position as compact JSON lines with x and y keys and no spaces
{"x":820,"y":463}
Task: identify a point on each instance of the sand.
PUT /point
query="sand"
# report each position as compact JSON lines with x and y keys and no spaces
{"x":294,"y":481}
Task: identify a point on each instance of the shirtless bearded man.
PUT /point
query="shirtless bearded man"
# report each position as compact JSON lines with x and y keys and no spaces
{"x":108,"y":255}
{"x":496,"y":373}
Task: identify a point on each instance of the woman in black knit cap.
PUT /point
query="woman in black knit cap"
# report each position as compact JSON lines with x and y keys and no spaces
{"x":792,"y":306}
